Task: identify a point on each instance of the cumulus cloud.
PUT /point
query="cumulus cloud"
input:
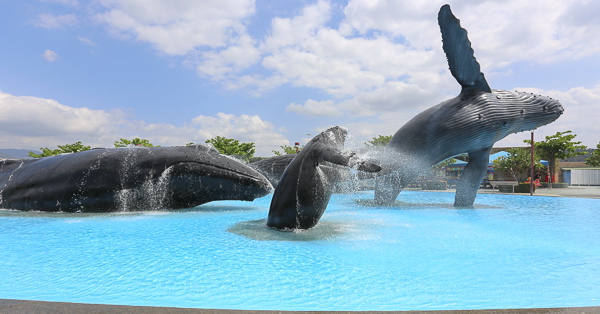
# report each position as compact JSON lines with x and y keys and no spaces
{"x":220,"y":64}
{"x":36,"y":121}
{"x":377,"y":42}
{"x":315,"y":108}
{"x":33,"y":122}
{"x":55,"y":21}
{"x":381,"y":61}
{"x":246,"y":128}
{"x":303,"y":51}
{"x":374,"y":44}
{"x":536,"y":30}
{"x":50,"y":55}
{"x":177,"y":27}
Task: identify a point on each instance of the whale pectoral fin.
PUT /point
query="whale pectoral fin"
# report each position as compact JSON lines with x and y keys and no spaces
{"x":461,"y":59}
{"x":470,"y":179}
{"x":366,"y":166}
{"x":350,"y":159}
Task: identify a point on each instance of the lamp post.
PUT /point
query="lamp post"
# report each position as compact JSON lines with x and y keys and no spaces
{"x":532,"y":170}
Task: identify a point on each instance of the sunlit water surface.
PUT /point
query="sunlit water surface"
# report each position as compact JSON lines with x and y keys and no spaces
{"x":421,"y":254}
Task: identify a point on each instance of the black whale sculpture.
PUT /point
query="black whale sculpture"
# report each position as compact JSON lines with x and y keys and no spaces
{"x":469,"y":123}
{"x":103,"y":180}
{"x":273,"y":167}
{"x":304,"y":189}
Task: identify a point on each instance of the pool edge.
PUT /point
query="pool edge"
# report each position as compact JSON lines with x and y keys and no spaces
{"x":25,"y":306}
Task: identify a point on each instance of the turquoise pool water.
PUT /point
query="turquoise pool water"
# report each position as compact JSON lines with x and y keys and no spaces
{"x":422,"y":254}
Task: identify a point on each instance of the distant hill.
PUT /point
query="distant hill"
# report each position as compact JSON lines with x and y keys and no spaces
{"x":15,"y":153}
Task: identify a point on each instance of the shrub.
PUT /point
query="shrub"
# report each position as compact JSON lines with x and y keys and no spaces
{"x":555,"y":185}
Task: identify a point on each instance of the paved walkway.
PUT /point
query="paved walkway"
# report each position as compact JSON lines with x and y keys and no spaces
{"x":572,"y":191}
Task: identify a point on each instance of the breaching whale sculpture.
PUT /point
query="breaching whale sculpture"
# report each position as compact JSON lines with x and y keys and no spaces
{"x":141,"y":178}
{"x":304,"y":189}
{"x":469,"y":123}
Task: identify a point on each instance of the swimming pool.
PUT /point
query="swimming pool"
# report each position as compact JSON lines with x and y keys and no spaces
{"x":422,"y":254}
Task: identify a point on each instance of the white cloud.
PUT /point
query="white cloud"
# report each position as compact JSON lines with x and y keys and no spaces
{"x":220,"y":64}
{"x":394,"y":96}
{"x":380,"y":41}
{"x":538,"y":31}
{"x":245,"y":128}
{"x":382,"y":62}
{"x":291,"y":32}
{"x":177,"y":27}
{"x":33,"y":122}
{"x":50,"y":55}
{"x":411,"y":21}
{"x":86,"y":41}
{"x":56,"y":21}
{"x":315,"y":108}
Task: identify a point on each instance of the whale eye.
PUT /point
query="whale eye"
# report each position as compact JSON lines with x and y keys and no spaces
{"x":498,"y":97}
{"x":480,"y":116}
{"x":545,"y":108}
{"x":522,"y":111}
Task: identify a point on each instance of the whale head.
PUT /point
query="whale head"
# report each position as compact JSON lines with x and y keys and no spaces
{"x":194,"y":175}
{"x":210,"y":176}
{"x":509,"y":112}
{"x":332,"y":137}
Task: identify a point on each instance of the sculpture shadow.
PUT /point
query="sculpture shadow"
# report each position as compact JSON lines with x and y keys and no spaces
{"x":257,"y":230}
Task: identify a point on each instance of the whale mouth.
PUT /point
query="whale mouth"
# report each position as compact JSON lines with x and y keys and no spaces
{"x":225,"y":182}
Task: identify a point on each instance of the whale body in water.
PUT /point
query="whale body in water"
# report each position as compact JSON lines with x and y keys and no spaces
{"x":140,"y":178}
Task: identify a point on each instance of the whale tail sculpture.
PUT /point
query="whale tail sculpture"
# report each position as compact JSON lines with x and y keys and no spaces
{"x":469,"y":123}
{"x":304,"y":189}
{"x":461,"y":57}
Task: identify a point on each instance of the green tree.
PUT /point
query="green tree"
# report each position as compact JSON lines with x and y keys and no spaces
{"x":556,"y":147}
{"x":381,"y":140}
{"x":228,"y":146}
{"x":134,"y":142}
{"x":518,"y":163}
{"x":62,"y":149}
{"x":288,"y":150}
{"x":594,"y":159}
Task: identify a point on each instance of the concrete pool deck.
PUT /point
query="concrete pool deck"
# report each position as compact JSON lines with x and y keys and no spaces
{"x":592,"y":191}
{"x":8,"y":306}
{"x":34,"y":307}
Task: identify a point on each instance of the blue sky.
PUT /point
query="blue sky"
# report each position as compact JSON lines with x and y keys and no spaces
{"x":275,"y":72}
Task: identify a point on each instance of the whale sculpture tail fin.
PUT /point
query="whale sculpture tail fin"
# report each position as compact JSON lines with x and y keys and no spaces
{"x":461,"y":60}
